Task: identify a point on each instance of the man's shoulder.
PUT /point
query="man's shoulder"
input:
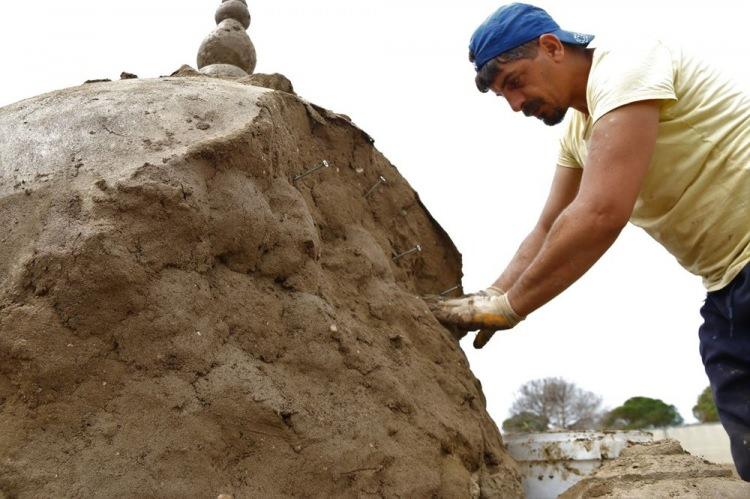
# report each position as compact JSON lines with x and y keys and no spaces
{"x":614,"y":53}
{"x":621,"y":44}
{"x":625,"y":71}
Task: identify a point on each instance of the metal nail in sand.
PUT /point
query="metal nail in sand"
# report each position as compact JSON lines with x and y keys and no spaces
{"x":449,"y":291}
{"x":415,"y":249}
{"x":381,"y":180}
{"x":324,"y":164}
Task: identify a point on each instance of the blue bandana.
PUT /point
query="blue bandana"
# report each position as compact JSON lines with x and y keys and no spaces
{"x":513,"y":25}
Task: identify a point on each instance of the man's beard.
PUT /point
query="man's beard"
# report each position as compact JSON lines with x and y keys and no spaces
{"x":557,"y":116}
{"x":532,"y":107}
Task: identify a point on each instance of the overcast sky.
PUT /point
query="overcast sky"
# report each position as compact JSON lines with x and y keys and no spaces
{"x":400,"y":70}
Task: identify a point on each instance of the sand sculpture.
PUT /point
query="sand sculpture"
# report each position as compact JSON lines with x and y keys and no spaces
{"x":228,"y":50}
{"x":211,"y":288}
{"x":183,"y":315}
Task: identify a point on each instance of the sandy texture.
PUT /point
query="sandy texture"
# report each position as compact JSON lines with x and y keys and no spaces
{"x":228,"y":44}
{"x":178,"y":318}
{"x":661,"y":469}
{"x":275,"y":81}
{"x":223,"y":71}
{"x":233,"y":9}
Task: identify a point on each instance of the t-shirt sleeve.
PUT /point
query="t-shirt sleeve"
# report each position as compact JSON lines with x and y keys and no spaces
{"x":630,"y":74}
{"x":566,"y":156}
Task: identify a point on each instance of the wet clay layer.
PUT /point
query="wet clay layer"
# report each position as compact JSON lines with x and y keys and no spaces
{"x":179,"y":318}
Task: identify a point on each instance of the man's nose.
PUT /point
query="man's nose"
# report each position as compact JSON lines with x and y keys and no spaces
{"x":515,"y":100}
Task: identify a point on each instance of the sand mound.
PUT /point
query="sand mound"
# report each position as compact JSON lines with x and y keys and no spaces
{"x":178,"y":318}
{"x":661,"y":469}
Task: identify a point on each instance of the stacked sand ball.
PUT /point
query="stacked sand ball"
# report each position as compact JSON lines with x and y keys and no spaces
{"x":228,"y":50}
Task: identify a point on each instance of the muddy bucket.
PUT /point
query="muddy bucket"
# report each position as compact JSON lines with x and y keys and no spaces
{"x":551,"y":463}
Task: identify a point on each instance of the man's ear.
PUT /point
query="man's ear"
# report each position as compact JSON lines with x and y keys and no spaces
{"x":552,"y":47}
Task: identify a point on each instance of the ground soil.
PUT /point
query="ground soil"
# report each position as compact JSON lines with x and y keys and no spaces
{"x":661,"y":469}
{"x":180,"y":318}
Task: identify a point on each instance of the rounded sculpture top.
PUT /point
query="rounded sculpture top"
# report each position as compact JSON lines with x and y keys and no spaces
{"x":233,"y":9}
{"x":228,"y":44}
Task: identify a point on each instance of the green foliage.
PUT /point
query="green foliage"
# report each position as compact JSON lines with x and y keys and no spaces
{"x":525,"y":422}
{"x":642,"y":412}
{"x":705,"y":409}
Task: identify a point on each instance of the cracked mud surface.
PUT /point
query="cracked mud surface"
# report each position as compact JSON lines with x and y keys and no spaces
{"x":179,"y":318}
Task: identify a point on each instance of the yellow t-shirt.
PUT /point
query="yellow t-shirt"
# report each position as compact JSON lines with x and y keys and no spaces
{"x":695,"y":199}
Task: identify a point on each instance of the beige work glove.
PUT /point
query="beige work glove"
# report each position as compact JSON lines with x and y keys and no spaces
{"x":487,"y":310}
{"x":485,"y":335}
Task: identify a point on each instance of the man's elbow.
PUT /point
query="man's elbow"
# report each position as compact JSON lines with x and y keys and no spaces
{"x":606,"y":218}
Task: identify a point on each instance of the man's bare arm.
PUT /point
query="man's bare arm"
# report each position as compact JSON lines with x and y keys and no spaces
{"x":564,"y":189}
{"x":620,"y":151}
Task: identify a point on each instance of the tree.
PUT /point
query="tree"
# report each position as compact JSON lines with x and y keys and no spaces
{"x":561,"y":403}
{"x":525,"y":422}
{"x":705,"y":409}
{"x":642,"y":412}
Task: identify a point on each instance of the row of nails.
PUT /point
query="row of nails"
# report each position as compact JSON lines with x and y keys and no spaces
{"x":325,"y":164}
{"x":381,"y":180}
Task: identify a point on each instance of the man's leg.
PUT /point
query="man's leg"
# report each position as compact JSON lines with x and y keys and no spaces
{"x":725,"y":349}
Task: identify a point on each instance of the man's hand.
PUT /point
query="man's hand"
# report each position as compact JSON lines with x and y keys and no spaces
{"x":485,"y":335}
{"x":487,"y":310}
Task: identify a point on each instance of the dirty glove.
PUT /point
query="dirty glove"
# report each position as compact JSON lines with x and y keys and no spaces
{"x":485,"y":335}
{"x":491,"y":291}
{"x":488,"y":310}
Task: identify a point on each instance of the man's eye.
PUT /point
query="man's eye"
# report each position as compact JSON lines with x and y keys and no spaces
{"x":514,"y":83}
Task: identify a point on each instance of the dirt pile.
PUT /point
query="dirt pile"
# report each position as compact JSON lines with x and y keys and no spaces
{"x":179,"y":317}
{"x":661,"y":469}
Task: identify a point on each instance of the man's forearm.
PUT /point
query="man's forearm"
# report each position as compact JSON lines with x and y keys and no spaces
{"x":525,"y":254}
{"x":577,"y":239}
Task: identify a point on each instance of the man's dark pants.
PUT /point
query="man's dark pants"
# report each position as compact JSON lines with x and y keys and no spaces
{"x":725,"y":349}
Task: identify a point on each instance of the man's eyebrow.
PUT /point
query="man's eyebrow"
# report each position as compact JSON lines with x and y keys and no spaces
{"x":499,"y":73}
{"x":505,"y":78}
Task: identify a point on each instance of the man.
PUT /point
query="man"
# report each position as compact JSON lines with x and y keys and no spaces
{"x":656,"y":137}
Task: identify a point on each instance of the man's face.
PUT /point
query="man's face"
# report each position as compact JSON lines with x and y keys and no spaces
{"x":528,"y":86}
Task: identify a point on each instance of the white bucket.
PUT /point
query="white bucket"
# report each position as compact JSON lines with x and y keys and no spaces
{"x":551,"y":463}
